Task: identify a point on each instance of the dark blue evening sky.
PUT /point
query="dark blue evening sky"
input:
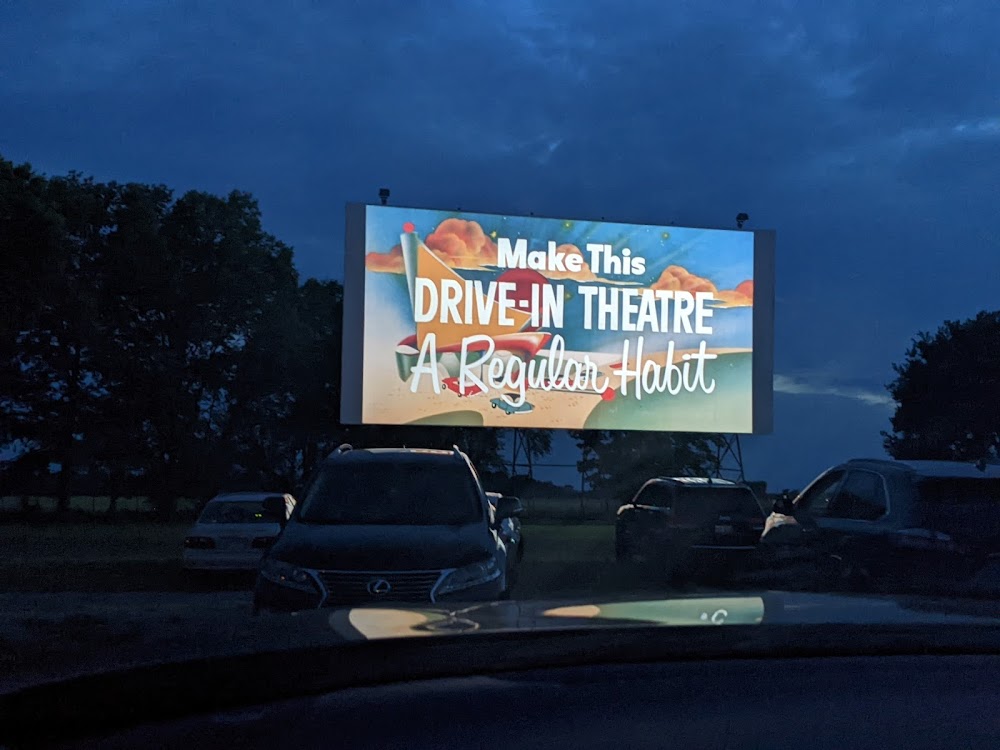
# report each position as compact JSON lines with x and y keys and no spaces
{"x":867,"y":135}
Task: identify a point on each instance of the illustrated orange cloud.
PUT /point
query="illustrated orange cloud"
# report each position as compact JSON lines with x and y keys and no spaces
{"x":458,"y":242}
{"x":678,"y":278}
{"x":741,"y":296}
{"x":390,"y":262}
{"x":462,"y":244}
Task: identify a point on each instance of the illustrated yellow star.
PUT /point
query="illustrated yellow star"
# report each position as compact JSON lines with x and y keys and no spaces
{"x":493,"y":234}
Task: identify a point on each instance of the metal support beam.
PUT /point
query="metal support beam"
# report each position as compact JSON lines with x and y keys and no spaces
{"x":729,"y":459}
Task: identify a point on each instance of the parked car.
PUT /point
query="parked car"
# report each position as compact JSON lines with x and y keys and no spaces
{"x":233,"y":531}
{"x":510,"y":508}
{"x":381,"y":525}
{"x":875,"y":523}
{"x":689,"y":526}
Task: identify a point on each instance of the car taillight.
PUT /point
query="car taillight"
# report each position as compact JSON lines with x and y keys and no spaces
{"x":262,"y":542}
{"x":199,"y":542}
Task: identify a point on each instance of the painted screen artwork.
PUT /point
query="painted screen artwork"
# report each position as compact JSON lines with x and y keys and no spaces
{"x":506,"y":321}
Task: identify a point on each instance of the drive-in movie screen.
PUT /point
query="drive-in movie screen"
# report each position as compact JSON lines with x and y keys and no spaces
{"x":471,"y":319}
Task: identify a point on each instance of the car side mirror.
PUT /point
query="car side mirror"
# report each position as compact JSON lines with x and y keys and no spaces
{"x":275,"y":509}
{"x":508,"y":507}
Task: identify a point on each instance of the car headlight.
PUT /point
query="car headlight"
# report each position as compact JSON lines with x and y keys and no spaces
{"x":286,"y":574}
{"x":471,"y":575}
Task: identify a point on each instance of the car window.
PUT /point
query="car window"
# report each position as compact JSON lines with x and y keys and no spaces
{"x":234,"y":511}
{"x":861,"y":497}
{"x":704,"y":504}
{"x":656,"y":495}
{"x":398,"y":492}
{"x":816,"y":499}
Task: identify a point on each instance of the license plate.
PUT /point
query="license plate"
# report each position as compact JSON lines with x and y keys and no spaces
{"x":723,"y":528}
{"x":233,"y":542}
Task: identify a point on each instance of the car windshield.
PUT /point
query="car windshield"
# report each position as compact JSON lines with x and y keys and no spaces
{"x":396,"y":493}
{"x":234,"y":511}
{"x":286,"y":288}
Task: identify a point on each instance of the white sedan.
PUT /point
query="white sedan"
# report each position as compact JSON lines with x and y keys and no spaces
{"x":233,"y":532}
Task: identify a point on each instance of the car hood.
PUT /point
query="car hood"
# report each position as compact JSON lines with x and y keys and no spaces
{"x":777,"y":619}
{"x":377,"y":547}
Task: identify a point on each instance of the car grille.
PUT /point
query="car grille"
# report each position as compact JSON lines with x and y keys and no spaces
{"x":352,"y":587}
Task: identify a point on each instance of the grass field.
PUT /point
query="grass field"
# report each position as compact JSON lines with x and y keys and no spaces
{"x":590,"y":507}
{"x":560,"y":560}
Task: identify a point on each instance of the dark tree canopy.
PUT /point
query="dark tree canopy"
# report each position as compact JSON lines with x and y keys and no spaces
{"x":947,"y":393}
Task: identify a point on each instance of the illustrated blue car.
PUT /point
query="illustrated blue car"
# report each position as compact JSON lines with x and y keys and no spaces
{"x":500,"y":403}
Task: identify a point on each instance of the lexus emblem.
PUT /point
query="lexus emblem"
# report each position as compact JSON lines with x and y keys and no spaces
{"x":379,"y":587}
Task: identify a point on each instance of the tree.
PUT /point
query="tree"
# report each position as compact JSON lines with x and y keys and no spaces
{"x":55,"y":347}
{"x":624,"y":460}
{"x":946,"y":393}
{"x":589,"y":442}
{"x":29,"y":245}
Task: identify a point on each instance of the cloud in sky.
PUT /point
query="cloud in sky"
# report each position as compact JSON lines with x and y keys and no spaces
{"x":796,"y":386}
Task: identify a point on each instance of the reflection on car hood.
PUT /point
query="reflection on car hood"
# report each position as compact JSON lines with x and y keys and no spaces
{"x":772,"y":608}
{"x":142,"y":634}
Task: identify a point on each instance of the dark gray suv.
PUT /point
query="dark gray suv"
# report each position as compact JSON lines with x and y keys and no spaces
{"x":871,"y":523}
{"x":385,"y":525}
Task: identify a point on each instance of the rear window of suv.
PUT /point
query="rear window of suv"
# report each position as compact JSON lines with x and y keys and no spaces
{"x":396,"y":492}
{"x":706,"y":504}
{"x":702,"y":503}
